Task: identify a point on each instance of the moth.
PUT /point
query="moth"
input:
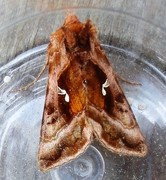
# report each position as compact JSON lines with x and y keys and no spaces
{"x":83,"y":100}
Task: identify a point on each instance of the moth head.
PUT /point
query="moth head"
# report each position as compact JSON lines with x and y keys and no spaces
{"x":70,"y":19}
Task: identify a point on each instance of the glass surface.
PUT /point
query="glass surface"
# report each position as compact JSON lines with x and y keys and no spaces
{"x":136,"y":49}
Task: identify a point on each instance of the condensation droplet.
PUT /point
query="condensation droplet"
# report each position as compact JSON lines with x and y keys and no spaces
{"x":7,"y":79}
{"x":142,"y":106}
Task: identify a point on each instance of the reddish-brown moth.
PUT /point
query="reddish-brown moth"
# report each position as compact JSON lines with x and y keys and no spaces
{"x":84,"y":100}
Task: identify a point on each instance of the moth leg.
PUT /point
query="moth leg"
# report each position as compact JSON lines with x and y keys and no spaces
{"x":128,"y":82}
{"x":24,"y":88}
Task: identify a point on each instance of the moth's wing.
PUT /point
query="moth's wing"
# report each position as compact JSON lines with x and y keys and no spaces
{"x":64,"y":134}
{"x":114,"y":123}
{"x":67,"y":144}
{"x":115,"y":136}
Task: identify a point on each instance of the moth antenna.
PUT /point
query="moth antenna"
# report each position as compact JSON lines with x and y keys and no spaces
{"x":128,"y":82}
{"x":24,"y":88}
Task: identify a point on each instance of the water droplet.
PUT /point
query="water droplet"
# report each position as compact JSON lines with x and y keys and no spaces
{"x":7,"y":79}
{"x":142,"y":106}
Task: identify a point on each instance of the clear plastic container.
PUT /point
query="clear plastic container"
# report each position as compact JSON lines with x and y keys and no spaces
{"x":136,"y":47}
